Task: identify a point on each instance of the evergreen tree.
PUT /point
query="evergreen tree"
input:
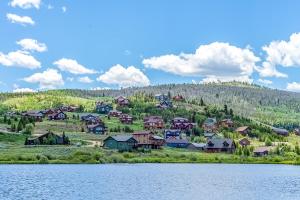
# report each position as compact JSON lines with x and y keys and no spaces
{"x":225,"y":109}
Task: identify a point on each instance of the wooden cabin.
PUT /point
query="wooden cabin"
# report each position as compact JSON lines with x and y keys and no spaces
{"x":90,"y":119}
{"x":261,"y":151}
{"x":122,"y":101}
{"x":210,"y":125}
{"x":126,"y":119}
{"x":147,"y":139}
{"x":69,"y":108}
{"x":215,"y":145}
{"x":153,"y":122}
{"x":243,"y":130}
{"x":37,"y":115}
{"x":48,"y":138}
{"x":226,"y":123}
{"x":244,"y":142}
{"x":181,"y":123}
{"x":103,"y":108}
{"x":164,"y":104}
{"x":114,"y":113}
{"x":120,"y":142}
{"x":178,"y":98}
{"x":57,"y":116}
{"x":97,"y":128}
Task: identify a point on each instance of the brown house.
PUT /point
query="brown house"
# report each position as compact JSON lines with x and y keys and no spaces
{"x":57,"y":116}
{"x":210,"y":125}
{"x":114,"y":113}
{"x":153,"y":122}
{"x":181,"y":123}
{"x":147,"y":139}
{"x":126,"y":119}
{"x":243,"y":130}
{"x":261,"y":151}
{"x":36,"y":115}
{"x":178,"y":98}
{"x":244,"y":142}
{"x":122,"y":101}
{"x":227,"y":123}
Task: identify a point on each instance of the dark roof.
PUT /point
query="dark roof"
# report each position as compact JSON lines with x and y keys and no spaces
{"x":142,"y":132}
{"x":95,"y":125}
{"x":280,"y":130}
{"x":261,"y":149}
{"x":199,"y":145}
{"x":121,"y":138}
{"x":218,"y":143}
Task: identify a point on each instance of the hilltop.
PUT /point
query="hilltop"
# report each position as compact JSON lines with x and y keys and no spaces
{"x":271,"y":106}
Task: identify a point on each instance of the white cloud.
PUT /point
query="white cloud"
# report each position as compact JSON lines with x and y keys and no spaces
{"x":294,"y":86}
{"x":26,"y":4}
{"x":64,"y":9}
{"x":100,"y":88}
{"x":49,"y":79}
{"x":23,"y":20}
{"x":216,"y":79}
{"x":124,"y":77}
{"x":32,"y":45}
{"x":85,"y":79}
{"x":265,"y":81}
{"x":269,"y":70}
{"x":19,"y":59}
{"x":72,"y":66}
{"x":50,"y":7}
{"x":283,"y":53}
{"x":23,"y":90}
{"x":217,"y":60}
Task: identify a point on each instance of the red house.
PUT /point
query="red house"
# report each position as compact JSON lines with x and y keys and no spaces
{"x":178,"y":98}
{"x":114,"y":113}
{"x":122,"y":101}
{"x":154,"y":122}
{"x":181,"y":123}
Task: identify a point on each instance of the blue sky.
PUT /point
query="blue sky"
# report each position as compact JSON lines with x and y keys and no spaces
{"x":113,"y":44}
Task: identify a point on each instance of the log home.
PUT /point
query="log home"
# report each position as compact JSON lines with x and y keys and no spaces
{"x":153,"y":122}
{"x":147,"y":139}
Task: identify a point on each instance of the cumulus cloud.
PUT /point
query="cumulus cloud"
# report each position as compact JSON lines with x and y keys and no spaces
{"x":72,"y":66}
{"x":32,"y":45}
{"x":217,"y":60}
{"x":85,"y":79}
{"x":26,"y":4}
{"x":19,"y":59}
{"x":283,"y":53}
{"x":23,"y":90}
{"x":49,"y":79}
{"x":124,"y":77}
{"x":294,"y":86}
{"x":23,"y":20}
{"x":265,"y":81}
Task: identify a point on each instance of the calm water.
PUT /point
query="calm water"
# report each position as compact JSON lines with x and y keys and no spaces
{"x":150,"y":181}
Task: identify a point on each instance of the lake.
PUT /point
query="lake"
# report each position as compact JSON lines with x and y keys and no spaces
{"x":150,"y":182}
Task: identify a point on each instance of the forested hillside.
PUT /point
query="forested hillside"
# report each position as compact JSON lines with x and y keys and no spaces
{"x":270,"y":106}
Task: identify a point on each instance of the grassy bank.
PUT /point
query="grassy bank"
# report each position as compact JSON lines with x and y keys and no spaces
{"x":96,"y":155}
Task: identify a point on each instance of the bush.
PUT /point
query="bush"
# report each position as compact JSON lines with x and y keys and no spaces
{"x":43,"y":160}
